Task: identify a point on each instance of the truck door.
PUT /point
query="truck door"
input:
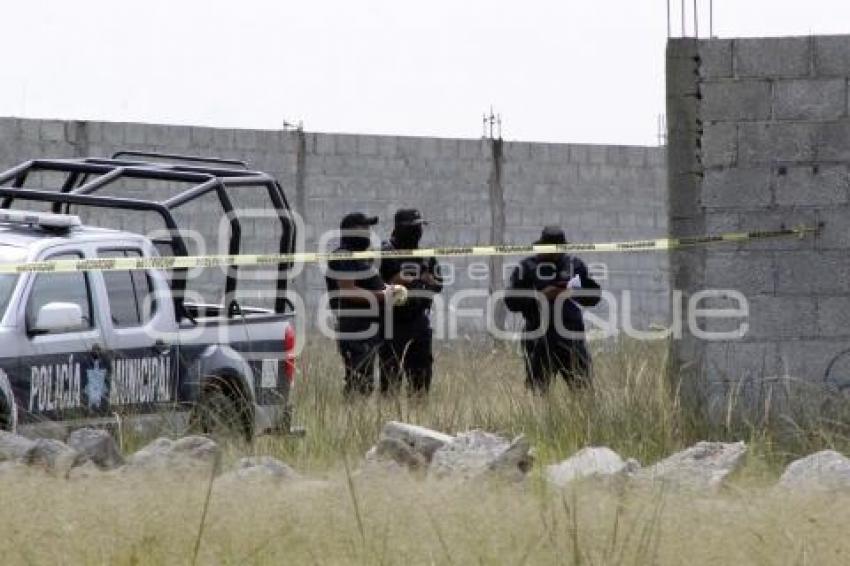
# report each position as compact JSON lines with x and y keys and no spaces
{"x":139,"y":331}
{"x":62,"y":368}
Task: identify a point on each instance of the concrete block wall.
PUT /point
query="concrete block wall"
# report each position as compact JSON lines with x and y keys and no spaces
{"x":473,"y":191}
{"x":759,"y":133}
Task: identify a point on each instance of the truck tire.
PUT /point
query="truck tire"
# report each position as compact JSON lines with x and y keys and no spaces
{"x":223,"y":412}
{"x":6,"y":423}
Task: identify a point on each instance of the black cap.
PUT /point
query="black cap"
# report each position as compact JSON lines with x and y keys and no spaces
{"x":354,"y":219}
{"x":409,"y":217}
{"x":551,"y":235}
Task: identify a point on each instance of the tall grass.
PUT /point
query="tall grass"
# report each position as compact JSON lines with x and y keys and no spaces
{"x":343,"y":516}
{"x":635,"y":407}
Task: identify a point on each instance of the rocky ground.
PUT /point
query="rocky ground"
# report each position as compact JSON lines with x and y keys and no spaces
{"x":427,"y":454}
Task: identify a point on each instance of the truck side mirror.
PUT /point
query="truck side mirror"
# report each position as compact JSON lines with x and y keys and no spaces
{"x":58,"y":317}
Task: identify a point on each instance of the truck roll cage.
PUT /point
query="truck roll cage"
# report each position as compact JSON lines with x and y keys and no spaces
{"x":87,"y":175}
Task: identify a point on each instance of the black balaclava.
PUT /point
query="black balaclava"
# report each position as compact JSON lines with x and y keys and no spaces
{"x":406,"y":237}
{"x":356,"y":239}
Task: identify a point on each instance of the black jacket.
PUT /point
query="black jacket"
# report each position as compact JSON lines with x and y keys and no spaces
{"x":421,"y":293}
{"x":534,"y":274}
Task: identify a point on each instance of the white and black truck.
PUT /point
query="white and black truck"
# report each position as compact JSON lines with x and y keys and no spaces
{"x":95,"y":346}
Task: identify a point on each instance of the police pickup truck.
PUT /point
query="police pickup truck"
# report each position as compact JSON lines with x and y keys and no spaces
{"x":96,"y":347}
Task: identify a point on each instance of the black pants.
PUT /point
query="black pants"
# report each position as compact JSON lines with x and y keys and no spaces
{"x":407,"y":352}
{"x":550,"y":355}
{"x":358,"y":357}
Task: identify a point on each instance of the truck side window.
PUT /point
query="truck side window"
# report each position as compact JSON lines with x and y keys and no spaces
{"x":130,"y":293}
{"x":60,"y":288}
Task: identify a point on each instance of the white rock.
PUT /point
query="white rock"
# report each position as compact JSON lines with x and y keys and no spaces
{"x":13,"y":446}
{"x":474,"y":453}
{"x":590,"y":462}
{"x":98,"y":445}
{"x":825,"y":470}
{"x":421,"y":440}
{"x":515,"y":462}
{"x":53,"y":456}
{"x":409,"y":446}
{"x":702,"y":466}
{"x":263,"y":468}
{"x":190,"y":452}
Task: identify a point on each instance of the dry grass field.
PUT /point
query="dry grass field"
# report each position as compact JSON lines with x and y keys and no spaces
{"x":340,"y":515}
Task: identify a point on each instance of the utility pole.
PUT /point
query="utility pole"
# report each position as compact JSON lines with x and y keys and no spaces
{"x":492,"y":125}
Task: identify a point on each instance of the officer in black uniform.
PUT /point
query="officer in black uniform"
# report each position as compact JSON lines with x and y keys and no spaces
{"x":407,"y":337}
{"x":563,"y":283}
{"x":357,"y":295}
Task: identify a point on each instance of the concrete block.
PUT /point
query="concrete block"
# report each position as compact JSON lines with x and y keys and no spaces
{"x":832,"y":55}
{"x":367,"y":145}
{"x":428,"y":148}
{"x":597,"y":154}
{"x":782,"y":317}
{"x":812,"y":185}
{"x":656,"y":157}
{"x":764,"y":142}
{"x":223,"y":139}
{"x":736,"y":100}
{"x":567,"y":176}
{"x":52,"y":131}
{"x":808,"y":99}
{"x":772,"y":57}
{"x":388,"y":146}
{"x":833,"y":141}
{"x":94,"y":132}
{"x":559,"y":154}
{"x":134,"y":133}
{"x":579,"y":153}
{"x":245,"y":139}
{"x":682,"y":77}
{"x":721,"y":221}
{"x":808,"y":360}
{"x":156,"y":135}
{"x":179,"y":137}
{"x":808,"y":273}
{"x":715,"y":58}
{"x":833,"y":316}
{"x":10,"y":129}
{"x":719,"y":145}
{"x":833,"y":233}
{"x":345,"y":144}
{"x":684,"y":198}
{"x":202,"y":138}
{"x":767,"y":220}
{"x":636,"y":156}
{"x":736,"y":188}
{"x":740,"y":361}
{"x":517,"y":151}
{"x":749,"y":272}
{"x":539,"y":152}
{"x":475,"y":150}
{"x":325,"y":144}
{"x":449,"y":148}
{"x":29,"y":129}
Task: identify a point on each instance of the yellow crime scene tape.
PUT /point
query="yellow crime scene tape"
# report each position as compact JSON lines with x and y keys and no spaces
{"x":254,"y":260}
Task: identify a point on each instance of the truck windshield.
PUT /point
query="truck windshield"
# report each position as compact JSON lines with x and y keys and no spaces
{"x":8,"y":280}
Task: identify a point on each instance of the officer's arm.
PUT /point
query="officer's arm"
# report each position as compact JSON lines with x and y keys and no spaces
{"x":392,"y":273}
{"x":432,"y":276}
{"x":518,"y":297}
{"x":348,"y":289}
{"x":591,"y":292}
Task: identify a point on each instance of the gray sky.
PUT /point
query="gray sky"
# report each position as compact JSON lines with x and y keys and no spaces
{"x":558,"y":70}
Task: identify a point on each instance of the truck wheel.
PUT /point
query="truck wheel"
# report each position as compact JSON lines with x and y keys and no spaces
{"x":223,"y":413}
{"x":5,"y":414}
